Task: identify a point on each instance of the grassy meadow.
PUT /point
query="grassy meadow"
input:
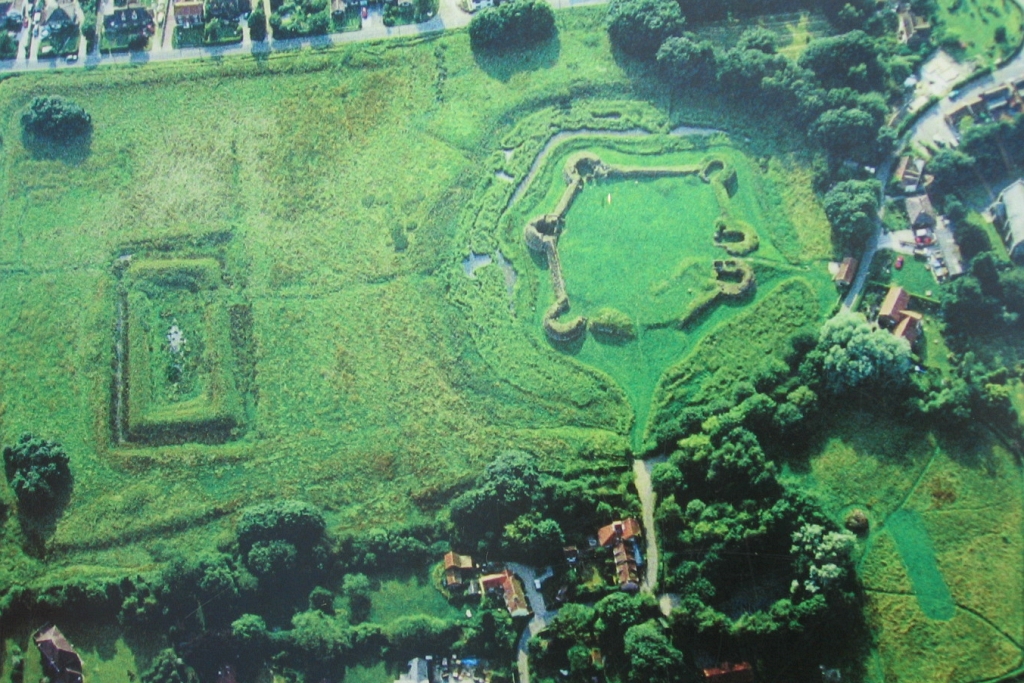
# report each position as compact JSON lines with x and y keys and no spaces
{"x":339,"y":193}
{"x":941,"y":564}
{"x":974,"y":24}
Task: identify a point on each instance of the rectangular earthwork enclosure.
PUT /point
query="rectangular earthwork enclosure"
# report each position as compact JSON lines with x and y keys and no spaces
{"x":176,"y":363}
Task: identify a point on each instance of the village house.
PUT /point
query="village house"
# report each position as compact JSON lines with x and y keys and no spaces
{"x":188,"y":14}
{"x":511,"y":590}
{"x":1001,"y":101}
{"x":58,"y":18}
{"x":225,"y":10}
{"x":1008,"y":216}
{"x":621,"y":537}
{"x":130,"y":20}
{"x":730,"y":673}
{"x":419,"y":672}
{"x":894,"y":315}
{"x":458,"y":570}
{"x":910,"y":27}
{"x":847,"y":272}
{"x":62,"y":663}
{"x":909,"y":173}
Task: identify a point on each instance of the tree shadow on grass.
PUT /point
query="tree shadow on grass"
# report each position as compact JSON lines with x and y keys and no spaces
{"x":504,"y":64}
{"x":73,"y":152}
{"x":38,"y":527}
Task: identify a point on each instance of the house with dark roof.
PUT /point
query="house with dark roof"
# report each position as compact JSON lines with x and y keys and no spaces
{"x":62,"y":663}
{"x":57,"y":18}
{"x":130,"y":20}
{"x":510,"y":589}
{"x":1008,"y":216}
{"x":920,"y":212}
{"x":226,"y":10}
{"x":847,"y":272}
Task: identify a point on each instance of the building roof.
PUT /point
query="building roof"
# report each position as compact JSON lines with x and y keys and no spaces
{"x":847,"y":271}
{"x":920,"y":211}
{"x":56,"y":15}
{"x":511,"y":589}
{"x":894,"y":304}
{"x":909,"y":328}
{"x":193,"y":8}
{"x":419,"y":672}
{"x":60,"y":658}
{"x":730,"y":673}
{"x":625,"y":529}
{"x":453,"y":560}
{"x":1012,"y":201}
{"x":625,"y":566}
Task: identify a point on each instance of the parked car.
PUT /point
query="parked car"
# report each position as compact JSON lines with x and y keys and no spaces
{"x":71,"y":59}
{"x":366,"y":13}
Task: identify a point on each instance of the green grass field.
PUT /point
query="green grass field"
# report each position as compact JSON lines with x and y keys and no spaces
{"x":941,"y":565}
{"x":339,"y":192}
{"x":974,"y":24}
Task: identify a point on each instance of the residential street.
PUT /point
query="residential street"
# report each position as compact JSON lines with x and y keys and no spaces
{"x":541,"y":615}
{"x":449,"y":16}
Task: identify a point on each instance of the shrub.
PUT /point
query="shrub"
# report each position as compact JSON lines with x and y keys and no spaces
{"x":37,"y":471}
{"x":55,"y":118}
{"x":639,"y":27}
{"x":518,"y":23}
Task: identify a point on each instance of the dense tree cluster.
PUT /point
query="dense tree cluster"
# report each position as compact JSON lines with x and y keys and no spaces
{"x":578,"y":629}
{"x":852,"y":209}
{"x":38,"y":473}
{"x":513,"y":24}
{"x":639,"y":27}
{"x":527,"y":514}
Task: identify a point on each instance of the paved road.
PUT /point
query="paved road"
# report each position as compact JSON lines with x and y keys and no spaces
{"x":932,"y":123}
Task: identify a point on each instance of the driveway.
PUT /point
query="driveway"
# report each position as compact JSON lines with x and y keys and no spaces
{"x":541,"y":615}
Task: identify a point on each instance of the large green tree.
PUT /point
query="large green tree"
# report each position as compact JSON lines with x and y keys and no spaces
{"x":37,"y":471}
{"x":852,"y":354}
{"x":639,"y":27}
{"x":54,"y":118}
{"x":852,"y":209}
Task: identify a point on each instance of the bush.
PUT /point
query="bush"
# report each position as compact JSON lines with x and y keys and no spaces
{"x":55,"y":118}
{"x":37,"y":471}
{"x":639,"y":27}
{"x":514,"y":24}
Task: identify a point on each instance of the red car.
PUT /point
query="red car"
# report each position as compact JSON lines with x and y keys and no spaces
{"x":365,"y":13}
{"x":899,"y":263}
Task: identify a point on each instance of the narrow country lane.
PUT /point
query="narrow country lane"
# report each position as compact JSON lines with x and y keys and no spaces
{"x":645,"y":491}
